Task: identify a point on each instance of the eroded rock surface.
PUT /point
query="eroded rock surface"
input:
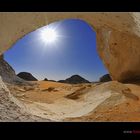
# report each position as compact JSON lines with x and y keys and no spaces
{"x":7,"y":72}
{"x":120,"y":53}
{"x":11,"y":109}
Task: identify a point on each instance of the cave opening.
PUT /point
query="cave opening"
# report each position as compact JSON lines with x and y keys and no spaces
{"x":58,"y":51}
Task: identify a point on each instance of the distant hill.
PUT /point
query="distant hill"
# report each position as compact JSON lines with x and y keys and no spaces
{"x":75,"y":79}
{"x":105,"y":78}
{"x":45,"y":79}
{"x":27,"y":76}
{"x":49,"y":80}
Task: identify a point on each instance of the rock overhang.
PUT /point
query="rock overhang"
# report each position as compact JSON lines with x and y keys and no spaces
{"x":118,"y":35}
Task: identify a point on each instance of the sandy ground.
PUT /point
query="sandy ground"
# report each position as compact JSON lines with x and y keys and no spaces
{"x":111,"y":101}
{"x":128,"y":110}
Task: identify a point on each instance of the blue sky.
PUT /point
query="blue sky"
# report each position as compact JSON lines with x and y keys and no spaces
{"x":74,"y":52}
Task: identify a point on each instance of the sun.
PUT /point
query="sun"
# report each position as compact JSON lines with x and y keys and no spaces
{"x":48,"y":35}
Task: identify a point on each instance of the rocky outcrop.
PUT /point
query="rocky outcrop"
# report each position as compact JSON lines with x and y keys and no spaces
{"x":105,"y":78}
{"x":11,"y":109}
{"x":26,"y":76}
{"x":7,"y":72}
{"x":75,"y":79}
{"x":120,"y":53}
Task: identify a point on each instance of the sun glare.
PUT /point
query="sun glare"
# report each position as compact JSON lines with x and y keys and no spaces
{"x":48,"y":35}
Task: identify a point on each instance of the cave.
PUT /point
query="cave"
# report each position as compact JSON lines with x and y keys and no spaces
{"x":121,"y":29}
{"x":118,"y":39}
{"x":74,"y":48}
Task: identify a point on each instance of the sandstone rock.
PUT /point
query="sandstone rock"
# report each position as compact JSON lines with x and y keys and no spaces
{"x":120,"y":53}
{"x":22,"y":90}
{"x":26,"y":76}
{"x":11,"y":109}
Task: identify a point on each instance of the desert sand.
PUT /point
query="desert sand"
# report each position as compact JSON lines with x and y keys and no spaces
{"x":110,"y":101}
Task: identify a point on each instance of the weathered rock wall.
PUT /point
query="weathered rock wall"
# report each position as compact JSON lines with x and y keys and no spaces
{"x":11,"y":109}
{"x":7,"y":73}
{"x":120,"y":53}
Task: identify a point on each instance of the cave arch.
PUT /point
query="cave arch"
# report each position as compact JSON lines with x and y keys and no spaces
{"x":122,"y":29}
{"x":76,"y":32}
